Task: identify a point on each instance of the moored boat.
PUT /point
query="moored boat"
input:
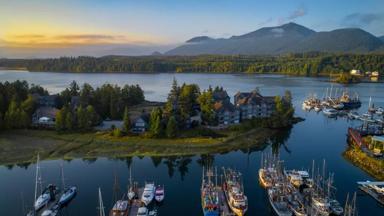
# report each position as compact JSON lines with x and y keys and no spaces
{"x":330,"y":112}
{"x":234,"y":192}
{"x":210,"y":201}
{"x":46,"y":196}
{"x":143,"y":211}
{"x":120,"y":208}
{"x":279,"y":202}
{"x":68,"y":194}
{"x":148,"y":193}
{"x":159,"y":193}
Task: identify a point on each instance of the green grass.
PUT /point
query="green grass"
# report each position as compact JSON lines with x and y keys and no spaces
{"x":22,"y":146}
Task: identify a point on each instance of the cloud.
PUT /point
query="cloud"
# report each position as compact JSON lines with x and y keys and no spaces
{"x":61,"y":40}
{"x":298,"y":12}
{"x":361,"y":19}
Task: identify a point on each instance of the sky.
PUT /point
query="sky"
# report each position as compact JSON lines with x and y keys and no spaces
{"x":34,"y":28}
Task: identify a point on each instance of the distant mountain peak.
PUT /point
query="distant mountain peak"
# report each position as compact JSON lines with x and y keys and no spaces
{"x":198,"y":39}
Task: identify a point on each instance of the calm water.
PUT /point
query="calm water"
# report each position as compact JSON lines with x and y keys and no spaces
{"x":316,"y":138}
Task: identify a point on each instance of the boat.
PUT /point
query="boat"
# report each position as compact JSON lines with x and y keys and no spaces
{"x":380,"y":111}
{"x":46,"y":196}
{"x":335,"y":207}
{"x":152,"y":212}
{"x":353,"y":115}
{"x":330,"y":112}
{"x":266,"y":176}
{"x":234,"y":192}
{"x":143,"y":211}
{"x":320,"y":205}
{"x":349,"y":102}
{"x":120,"y":208}
{"x":148,"y":193}
{"x":68,"y":194}
{"x":209,"y":195}
{"x":132,"y":192}
{"x":278,"y":201}
{"x":298,"y":178}
{"x":159,"y":193}
{"x":295,"y":206}
{"x":318,"y":108}
{"x":374,"y":189}
{"x":338,"y":106}
{"x":52,"y":211}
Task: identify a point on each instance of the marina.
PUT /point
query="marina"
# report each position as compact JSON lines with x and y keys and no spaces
{"x":315,"y":138}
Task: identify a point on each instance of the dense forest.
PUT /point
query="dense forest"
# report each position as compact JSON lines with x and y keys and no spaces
{"x":305,"y":64}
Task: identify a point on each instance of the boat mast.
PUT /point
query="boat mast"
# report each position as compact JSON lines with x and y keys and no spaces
{"x":101,"y":205}
{"x":37,"y":175}
{"x":62,"y":176}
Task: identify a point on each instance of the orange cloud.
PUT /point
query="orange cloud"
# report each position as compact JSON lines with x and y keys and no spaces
{"x":63,"y":40}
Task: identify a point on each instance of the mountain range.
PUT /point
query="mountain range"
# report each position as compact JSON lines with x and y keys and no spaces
{"x":287,"y":38}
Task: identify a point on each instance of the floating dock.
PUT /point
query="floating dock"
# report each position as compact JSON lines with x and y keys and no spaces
{"x":367,"y":187}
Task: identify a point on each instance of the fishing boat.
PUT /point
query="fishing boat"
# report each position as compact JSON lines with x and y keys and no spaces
{"x":318,"y":108}
{"x":143,"y":211}
{"x":338,"y":106}
{"x":298,"y":177}
{"x":296,"y":206}
{"x":353,"y":115}
{"x":234,"y":192}
{"x":320,"y":205}
{"x":148,"y":193}
{"x":159,"y":193}
{"x":278,"y":201}
{"x":266,"y":176}
{"x":380,"y":111}
{"x":335,"y":207}
{"x":330,"y":112}
{"x":350,"y":102}
{"x":120,"y":208}
{"x":374,"y":189}
{"x":209,"y":195}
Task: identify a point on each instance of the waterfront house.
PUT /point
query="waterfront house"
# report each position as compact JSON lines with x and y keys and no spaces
{"x":140,"y":123}
{"x":44,"y":116}
{"x":226,"y":112}
{"x":254,"y":105}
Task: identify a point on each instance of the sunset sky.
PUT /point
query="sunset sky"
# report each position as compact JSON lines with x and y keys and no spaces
{"x":30,"y":25}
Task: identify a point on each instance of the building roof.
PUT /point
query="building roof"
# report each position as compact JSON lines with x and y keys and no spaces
{"x":254,"y":97}
{"x":49,"y":112}
{"x":220,"y":95}
{"x":222,"y":106}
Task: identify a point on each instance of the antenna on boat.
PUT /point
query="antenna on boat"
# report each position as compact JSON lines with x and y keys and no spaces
{"x":216,"y":176}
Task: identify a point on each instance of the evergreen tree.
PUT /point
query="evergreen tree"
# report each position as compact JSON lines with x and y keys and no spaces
{"x":82,"y":118}
{"x":172,"y":129}
{"x":29,"y":105}
{"x":172,"y":105}
{"x":92,"y":116}
{"x":74,"y":88}
{"x":207,"y":106}
{"x":127,"y":121}
{"x":69,"y":121}
{"x":61,"y":118}
{"x":155,"y":126}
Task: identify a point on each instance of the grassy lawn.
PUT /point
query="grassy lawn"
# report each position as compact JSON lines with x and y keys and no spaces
{"x":21,"y":146}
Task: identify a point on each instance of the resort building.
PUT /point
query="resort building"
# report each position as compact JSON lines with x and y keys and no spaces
{"x":226,"y":112}
{"x":254,"y":105}
{"x":140,"y":123}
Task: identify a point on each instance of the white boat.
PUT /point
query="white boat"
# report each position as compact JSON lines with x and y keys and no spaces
{"x":338,"y":106}
{"x":380,"y":111}
{"x":120,"y":208}
{"x":317,"y":108}
{"x":159,"y":193}
{"x":353,"y":115}
{"x":143,"y":211}
{"x":148,"y":193}
{"x":234,"y":192}
{"x":298,"y":177}
{"x":330,"y":112}
{"x":335,"y":207}
{"x":52,"y":211}
{"x":320,"y":205}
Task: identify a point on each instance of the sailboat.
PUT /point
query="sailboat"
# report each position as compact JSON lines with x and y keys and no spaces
{"x":131,"y":188}
{"x":120,"y":208}
{"x":48,"y":194}
{"x":69,"y":192}
{"x":149,"y":193}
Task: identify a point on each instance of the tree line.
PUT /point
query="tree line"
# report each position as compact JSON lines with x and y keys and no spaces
{"x":303,"y":64}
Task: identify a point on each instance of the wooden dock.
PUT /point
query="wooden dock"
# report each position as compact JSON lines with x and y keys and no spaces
{"x":225,"y":210}
{"x":136,"y":203}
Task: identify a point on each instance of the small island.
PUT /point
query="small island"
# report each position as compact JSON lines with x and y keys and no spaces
{"x":116,"y":121}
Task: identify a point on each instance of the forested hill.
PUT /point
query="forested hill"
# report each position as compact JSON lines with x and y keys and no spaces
{"x":308,"y":64}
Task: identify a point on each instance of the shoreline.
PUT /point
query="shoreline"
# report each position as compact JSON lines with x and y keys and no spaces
{"x":21,"y":146}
